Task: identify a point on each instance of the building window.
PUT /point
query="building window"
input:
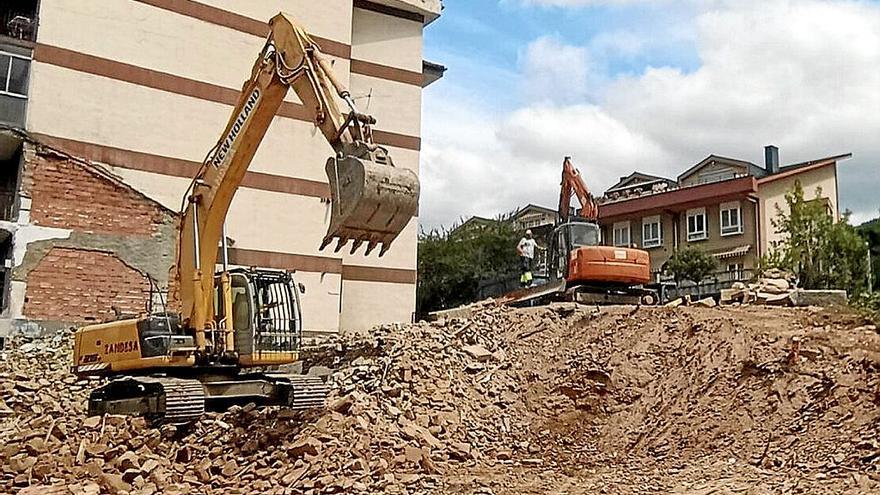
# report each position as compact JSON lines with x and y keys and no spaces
{"x":652,"y":232}
{"x":735,"y":271}
{"x":731,"y":218}
{"x":697,"y":230}
{"x":14,"y":71}
{"x":621,"y":234}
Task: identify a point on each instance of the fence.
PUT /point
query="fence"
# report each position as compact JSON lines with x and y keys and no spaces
{"x":710,"y":286}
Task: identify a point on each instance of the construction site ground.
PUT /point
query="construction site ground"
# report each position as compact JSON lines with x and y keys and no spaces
{"x":558,"y":399}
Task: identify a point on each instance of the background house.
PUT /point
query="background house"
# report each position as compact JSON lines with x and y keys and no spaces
{"x":722,"y":205}
{"x":145,"y":88}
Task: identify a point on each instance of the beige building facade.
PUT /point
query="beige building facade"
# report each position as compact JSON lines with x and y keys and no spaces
{"x":145,"y":88}
{"x":723,"y":206}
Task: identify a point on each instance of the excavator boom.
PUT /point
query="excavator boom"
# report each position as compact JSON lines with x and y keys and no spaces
{"x":573,"y":184}
{"x":371,"y":200}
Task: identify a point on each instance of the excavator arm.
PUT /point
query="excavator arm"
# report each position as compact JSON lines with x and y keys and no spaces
{"x":371,"y":200}
{"x":573,"y":184}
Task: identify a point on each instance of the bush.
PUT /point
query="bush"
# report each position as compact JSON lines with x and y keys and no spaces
{"x":452,"y":263}
{"x":691,"y":264}
{"x":825,"y":254}
{"x":868,"y":305}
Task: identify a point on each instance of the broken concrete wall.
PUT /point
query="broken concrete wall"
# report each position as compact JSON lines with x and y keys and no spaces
{"x":84,"y":244}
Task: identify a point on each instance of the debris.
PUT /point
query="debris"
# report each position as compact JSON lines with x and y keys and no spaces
{"x":707,"y":302}
{"x":661,"y":399}
{"x":477,"y":352}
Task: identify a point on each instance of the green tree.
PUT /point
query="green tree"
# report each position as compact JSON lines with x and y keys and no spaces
{"x":691,"y":264}
{"x":452,"y":263}
{"x":824,"y":253}
{"x":870,"y":231}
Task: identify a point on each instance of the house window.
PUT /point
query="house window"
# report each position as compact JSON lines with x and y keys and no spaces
{"x":731,"y":218}
{"x":621,"y":234}
{"x":697,"y":229}
{"x":735,"y":271}
{"x":14,"y":71}
{"x":652,"y":232}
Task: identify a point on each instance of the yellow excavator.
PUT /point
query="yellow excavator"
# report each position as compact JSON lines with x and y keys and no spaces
{"x":223,"y":328}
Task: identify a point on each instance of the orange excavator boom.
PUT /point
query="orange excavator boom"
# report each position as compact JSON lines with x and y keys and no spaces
{"x":573,"y":185}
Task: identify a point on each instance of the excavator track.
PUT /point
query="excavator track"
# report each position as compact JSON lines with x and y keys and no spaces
{"x":309,"y":392}
{"x":161,"y":399}
{"x":178,"y":400}
{"x":184,"y":400}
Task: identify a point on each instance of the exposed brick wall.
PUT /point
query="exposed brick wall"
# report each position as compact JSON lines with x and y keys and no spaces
{"x":113,"y":236}
{"x":66,"y":194}
{"x":77,"y":285}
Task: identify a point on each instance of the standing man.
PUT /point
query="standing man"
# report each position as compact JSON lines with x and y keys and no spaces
{"x":526,"y":250}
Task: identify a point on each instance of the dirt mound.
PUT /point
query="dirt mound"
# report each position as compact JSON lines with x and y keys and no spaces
{"x":562,"y":399}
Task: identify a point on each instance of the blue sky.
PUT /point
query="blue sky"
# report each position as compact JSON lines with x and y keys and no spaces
{"x":482,"y":41}
{"x":653,"y":85}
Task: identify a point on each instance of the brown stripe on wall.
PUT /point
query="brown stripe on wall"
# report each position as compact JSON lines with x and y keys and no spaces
{"x":171,"y":83}
{"x":175,"y":167}
{"x":284,"y":261}
{"x":384,"y":9}
{"x":379,"y":71}
{"x":238,"y":22}
{"x":248,"y":25}
{"x":397,"y":140}
{"x":320,"y":264}
{"x":377,"y":274}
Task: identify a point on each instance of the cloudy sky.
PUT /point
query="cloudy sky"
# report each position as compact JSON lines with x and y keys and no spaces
{"x":648,"y":85}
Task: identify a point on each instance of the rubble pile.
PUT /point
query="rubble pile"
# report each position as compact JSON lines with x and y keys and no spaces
{"x":539,"y":400}
{"x":779,"y":288}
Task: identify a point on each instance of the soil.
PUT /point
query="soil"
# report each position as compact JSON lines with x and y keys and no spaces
{"x":559,"y":399}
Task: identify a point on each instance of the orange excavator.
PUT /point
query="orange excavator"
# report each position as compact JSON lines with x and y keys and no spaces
{"x":579,"y":267}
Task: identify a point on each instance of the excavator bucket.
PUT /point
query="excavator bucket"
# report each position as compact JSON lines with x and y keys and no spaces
{"x":371,"y":203}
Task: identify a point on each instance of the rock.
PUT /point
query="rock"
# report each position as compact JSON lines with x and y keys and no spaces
{"x":729,"y":296}
{"x":114,"y":484}
{"x":783,"y":299}
{"x":674,"y":303}
{"x":343,"y":404}
{"x":128,"y":460}
{"x":706,"y":302}
{"x":803,"y":297}
{"x":477,"y":352}
{"x":306,"y":446}
{"x":230,"y":468}
{"x":460,"y":451}
{"x":148,"y":466}
{"x":91,"y":422}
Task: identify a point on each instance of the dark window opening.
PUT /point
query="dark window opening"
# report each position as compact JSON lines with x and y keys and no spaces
{"x":5,"y":268}
{"x":18,"y":19}
{"x":9,"y":171}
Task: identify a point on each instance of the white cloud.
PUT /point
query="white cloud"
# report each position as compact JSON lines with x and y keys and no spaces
{"x":557,"y":72}
{"x":799,"y":74}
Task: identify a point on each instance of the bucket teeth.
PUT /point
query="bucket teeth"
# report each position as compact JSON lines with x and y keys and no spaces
{"x":355,"y":245}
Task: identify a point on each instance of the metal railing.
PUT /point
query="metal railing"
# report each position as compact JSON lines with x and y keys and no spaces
{"x":710,"y":286}
{"x":18,"y":25}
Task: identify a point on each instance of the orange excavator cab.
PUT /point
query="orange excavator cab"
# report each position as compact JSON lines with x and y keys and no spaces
{"x":593,"y":272}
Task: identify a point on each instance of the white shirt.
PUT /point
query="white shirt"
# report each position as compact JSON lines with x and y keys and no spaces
{"x":527,"y":246}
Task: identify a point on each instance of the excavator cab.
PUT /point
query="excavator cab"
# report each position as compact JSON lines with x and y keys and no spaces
{"x":266,"y":315}
{"x":564,"y":240}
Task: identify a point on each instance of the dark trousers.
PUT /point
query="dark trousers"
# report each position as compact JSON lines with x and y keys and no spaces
{"x":525,"y":264}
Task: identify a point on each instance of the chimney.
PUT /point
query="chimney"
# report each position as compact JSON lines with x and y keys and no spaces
{"x":771,"y":159}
